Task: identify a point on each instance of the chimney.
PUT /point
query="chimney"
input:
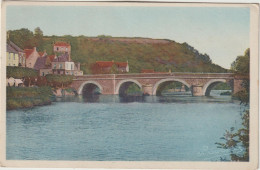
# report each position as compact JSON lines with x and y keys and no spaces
{"x":34,"y":48}
{"x":78,"y":65}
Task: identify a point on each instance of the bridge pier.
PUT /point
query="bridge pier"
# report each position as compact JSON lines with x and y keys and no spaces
{"x":147,"y":89}
{"x":199,"y":83}
{"x":197,"y":90}
{"x":238,"y":85}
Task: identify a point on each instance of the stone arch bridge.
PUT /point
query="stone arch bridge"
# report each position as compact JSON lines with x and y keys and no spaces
{"x":200,"y":84}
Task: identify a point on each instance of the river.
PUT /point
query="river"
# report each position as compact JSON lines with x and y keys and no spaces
{"x":112,"y":128}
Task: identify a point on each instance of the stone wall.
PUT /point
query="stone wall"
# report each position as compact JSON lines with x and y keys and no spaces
{"x":149,"y":82}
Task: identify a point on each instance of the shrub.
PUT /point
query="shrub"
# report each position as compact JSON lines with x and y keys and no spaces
{"x":12,"y":104}
{"x":20,"y":72}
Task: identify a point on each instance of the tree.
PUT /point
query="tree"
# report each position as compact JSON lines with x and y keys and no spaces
{"x":38,"y":32}
{"x":114,"y":69}
{"x":240,"y":138}
{"x":38,"y":38}
{"x":59,"y":80}
{"x":241,"y":64}
{"x":28,"y":74}
{"x":23,"y":38}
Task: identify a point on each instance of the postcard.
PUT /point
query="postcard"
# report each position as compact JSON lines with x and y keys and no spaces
{"x":129,"y":85}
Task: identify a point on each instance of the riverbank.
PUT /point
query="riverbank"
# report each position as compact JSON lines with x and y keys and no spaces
{"x":27,"y":97}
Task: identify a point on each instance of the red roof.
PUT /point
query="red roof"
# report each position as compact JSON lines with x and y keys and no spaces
{"x":105,"y":63}
{"x":121,"y":64}
{"x":28,"y":52}
{"x":147,"y":71}
{"x":51,"y":57}
{"x":64,"y":44}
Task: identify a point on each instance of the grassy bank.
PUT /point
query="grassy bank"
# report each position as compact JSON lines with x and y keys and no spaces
{"x":26,"y":97}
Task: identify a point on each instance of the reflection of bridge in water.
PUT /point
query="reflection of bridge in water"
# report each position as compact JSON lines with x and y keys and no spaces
{"x":200,"y":84}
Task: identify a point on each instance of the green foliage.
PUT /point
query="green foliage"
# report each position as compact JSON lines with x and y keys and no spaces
{"x":242,"y":63}
{"x":173,"y":85}
{"x":240,"y":138}
{"x":228,"y":93}
{"x":222,"y":86}
{"x":38,"y":32}
{"x":56,"y":80}
{"x":113,"y":69}
{"x":166,"y":86}
{"x":141,"y":53}
{"x":38,"y":38}
{"x":233,"y":140}
{"x":133,"y":89}
{"x":243,"y":95}
{"x":24,"y":97}
{"x":20,"y":72}
{"x":241,"y":66}
{"x":23,"y":38}
{"x":104,"y":36}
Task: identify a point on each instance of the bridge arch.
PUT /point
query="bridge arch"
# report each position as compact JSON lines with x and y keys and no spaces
{"x":119,"y":84}
{"x":80,"y":90}
{"x":210,"y":84}
{"x":157,"y":84}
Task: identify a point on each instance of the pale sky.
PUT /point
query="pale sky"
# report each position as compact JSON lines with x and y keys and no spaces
{"x":221,"y":32}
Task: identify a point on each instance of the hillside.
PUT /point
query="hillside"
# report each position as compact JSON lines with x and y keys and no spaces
{"x":141,"y":53}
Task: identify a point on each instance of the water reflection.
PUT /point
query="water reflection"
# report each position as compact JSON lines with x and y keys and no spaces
{"x":184,"y":98}
{"x":127,"y":99}
{"x":93,"y":98}
{"x":106,"y":130}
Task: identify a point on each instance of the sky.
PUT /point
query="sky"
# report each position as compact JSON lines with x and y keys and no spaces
{"x":221,"y":32}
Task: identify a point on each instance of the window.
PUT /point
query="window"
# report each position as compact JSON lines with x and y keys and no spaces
{"x":9,"y":56}
{"x":60,"y":66}
{"x":42,"y":73}
{"x":67,"y":72}
{"x":66,"y":49}
{"x":57,"y":48}
{"x":71,"y":66}
{"x":14,"y":56}
{"x":54,"y":66}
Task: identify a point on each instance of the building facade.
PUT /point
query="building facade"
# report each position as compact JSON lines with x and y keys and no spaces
{"x":31,"y":57}
{"x":21,"y":54}
{"x":15,"y":56}
{"x":12,"y":58}
{"x":62,"y":48}
{"x":62,"y":65}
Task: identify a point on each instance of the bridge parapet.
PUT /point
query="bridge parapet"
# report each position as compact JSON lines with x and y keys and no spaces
{"x":149,"y":82}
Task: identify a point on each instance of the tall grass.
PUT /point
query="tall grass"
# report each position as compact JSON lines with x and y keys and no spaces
{"x":25,"y":97}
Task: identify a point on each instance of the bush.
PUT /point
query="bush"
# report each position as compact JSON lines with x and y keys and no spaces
{"x":20,"y":72}
{"x":59,"y":80}
{"x":24,"y":97}
{"x":12,"y":104}
{"x":26,"y":103}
